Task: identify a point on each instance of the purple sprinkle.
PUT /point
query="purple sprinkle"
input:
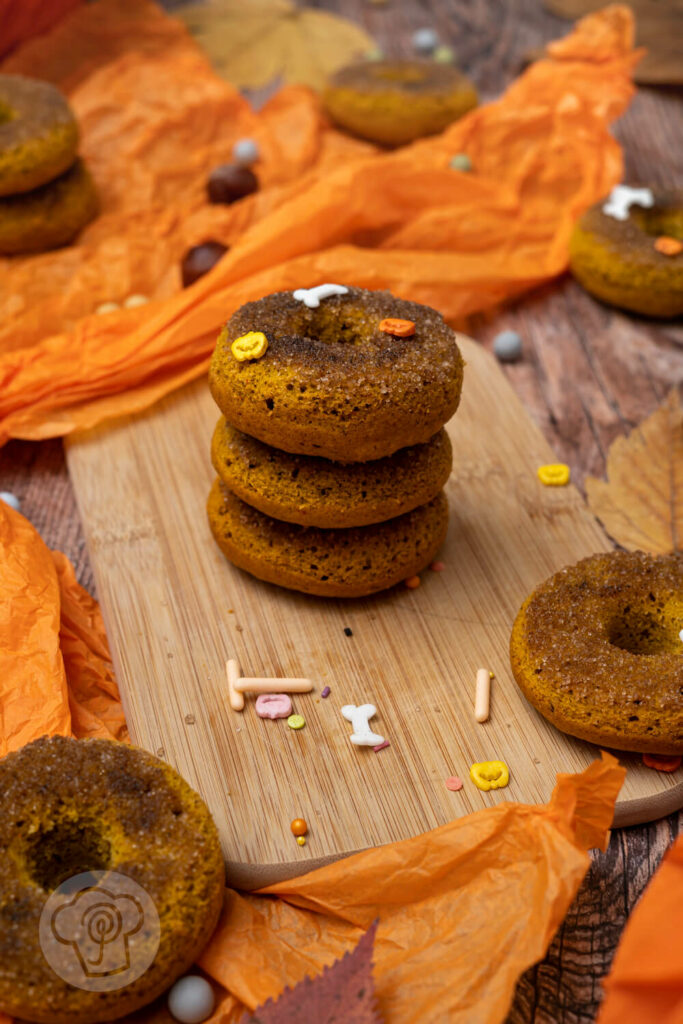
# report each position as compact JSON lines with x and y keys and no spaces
{"x":326,"y":692}
{"x":381,"y":746}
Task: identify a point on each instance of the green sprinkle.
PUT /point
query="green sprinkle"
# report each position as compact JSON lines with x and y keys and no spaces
{"x":296,"y":721}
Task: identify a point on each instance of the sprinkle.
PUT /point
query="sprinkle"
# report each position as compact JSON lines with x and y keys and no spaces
{"x":460,"y":162}
{"x":133,"y":301}
{"x":359,"y":716}
{"x":191,"y":1000}
{"x":251,"y":345}
{"x":245,"y":152}
{"x":299,"y":827}
{"x":425,"y":40}
{"x":189,"y":719}
{"x":107,"y":307}
{"x":443,"y":55}
{"x":662,"y":762}
{"x":311,"y":296}
{"x":374,"y":54}
{"x":273,"y":705}
{"x":381,"y":746}
{"x":10,"y":499}
{"x":482,"y":696}
{"x":413,"y":582}
{"x":668,"y":246}
{"x":296,"y":721}
{"x":454,"y":783}
{"x":507,"y":346}
{"x":490,"y":775}
{"x":348,"y":631}
{"x":399,"y":328}
{"x":238,"y":686}
{"x":623,"y":197}
{"x":555,"y":474}
{"x":437,"y":566}
{"x":680,"y":635}
{"x":326,"y":692}
{"x":301,"y":840}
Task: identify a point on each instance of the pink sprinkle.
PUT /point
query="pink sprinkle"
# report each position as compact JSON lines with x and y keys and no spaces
{"x":381,"y":746}
{"x":454,"y":783}
{"x":437,"y":566}
{"x":273,"y":705}
{"x":326,"y":692}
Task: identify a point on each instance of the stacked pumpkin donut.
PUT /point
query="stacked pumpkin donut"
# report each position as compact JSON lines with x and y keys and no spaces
{"x":330,"y":453}
{"x":46,"y":193}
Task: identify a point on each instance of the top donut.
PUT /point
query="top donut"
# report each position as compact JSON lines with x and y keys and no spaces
{"x":333,"y":380}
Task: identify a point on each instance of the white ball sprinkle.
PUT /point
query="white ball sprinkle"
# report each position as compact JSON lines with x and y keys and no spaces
{"x":425,"y":40}
{"x":11,"y":500}
{"x":107,"y":307}
{"x":133,"y":301}
{"x":191,"y":999}
{"x":461,"y":162}
{"x":507,"y":346}
{"x":245,"y":152}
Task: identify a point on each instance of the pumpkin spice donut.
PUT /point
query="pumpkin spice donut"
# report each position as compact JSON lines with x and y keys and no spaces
{"x":97,"y":827}
{"x":596,"y":649}
{"x":38,"y":134}
{"x":628,"y":251}
{"x":349,"y":562}
{"x":352,"y":376}
{"x":49,"y":216}
{"x":316,"y":492}
{"x":396,"y":101}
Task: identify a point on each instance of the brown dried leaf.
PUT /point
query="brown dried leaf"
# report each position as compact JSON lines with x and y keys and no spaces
{"x":251,"y":42}
{"x":659,"y":28}
{"x":641,"y":503}
{"x":343,"y":992}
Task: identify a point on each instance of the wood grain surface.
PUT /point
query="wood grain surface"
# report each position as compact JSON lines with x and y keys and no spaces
{"x":589,"y":374}
{"x":176,"y":610}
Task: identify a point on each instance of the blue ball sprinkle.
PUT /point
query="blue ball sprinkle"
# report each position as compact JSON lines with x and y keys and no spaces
{"x":11,"y":500}
{"x":507,"y":346}
{"x":425,"y":40}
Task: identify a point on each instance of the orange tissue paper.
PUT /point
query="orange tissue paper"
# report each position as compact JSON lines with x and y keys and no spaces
{"x":155,"y":119}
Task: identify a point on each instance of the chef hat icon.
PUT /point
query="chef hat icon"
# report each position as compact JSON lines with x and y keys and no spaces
{"x":98,"y":924}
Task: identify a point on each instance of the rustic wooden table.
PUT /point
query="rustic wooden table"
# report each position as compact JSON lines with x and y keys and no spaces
{"x":588,"y":374}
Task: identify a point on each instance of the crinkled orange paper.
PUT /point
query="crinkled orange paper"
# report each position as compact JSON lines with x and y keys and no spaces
{"x":463,"y":909}
{"x":155,"y":120}
{"x":645,"y":984}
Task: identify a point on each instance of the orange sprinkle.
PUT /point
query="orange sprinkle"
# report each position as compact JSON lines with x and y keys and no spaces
{"x":413,"y":582}
{"x":662,"y":762}
{"x":299,"y":827}
{"x":399,"y":328}
{"x":668,"y":246}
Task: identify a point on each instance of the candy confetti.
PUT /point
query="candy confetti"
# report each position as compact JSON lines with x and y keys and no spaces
{"x":273,"y":705}
{"x":555,"y":474}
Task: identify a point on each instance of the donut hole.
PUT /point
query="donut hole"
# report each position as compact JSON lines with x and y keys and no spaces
{"x":644,"y":631}
{"x":66,"y":849}
{"x":408,"y":74}
{"x":659,"y":221}
{"x":333,"y":326}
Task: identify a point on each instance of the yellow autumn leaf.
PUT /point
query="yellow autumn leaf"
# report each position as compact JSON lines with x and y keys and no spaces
{"x":251,"y":42}
{"x":641,"y":503}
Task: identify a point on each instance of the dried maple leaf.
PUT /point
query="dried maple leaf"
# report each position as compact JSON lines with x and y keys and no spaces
{"x":343,"y":994}
{"x":251,"y":42}
{"x":641,"y":503}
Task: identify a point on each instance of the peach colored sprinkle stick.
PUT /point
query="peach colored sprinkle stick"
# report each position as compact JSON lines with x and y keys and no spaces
{"x":482,"y":695}
{"x":238,"y":686}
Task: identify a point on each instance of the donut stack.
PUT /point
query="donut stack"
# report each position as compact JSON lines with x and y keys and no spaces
{"x":330,"y":451}
{"x":46,"y":193}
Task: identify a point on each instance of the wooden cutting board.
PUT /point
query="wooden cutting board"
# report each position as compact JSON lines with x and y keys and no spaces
{"x":175,"y":611}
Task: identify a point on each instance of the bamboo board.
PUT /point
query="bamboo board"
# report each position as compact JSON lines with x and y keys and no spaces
{"x":175,"y":611}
